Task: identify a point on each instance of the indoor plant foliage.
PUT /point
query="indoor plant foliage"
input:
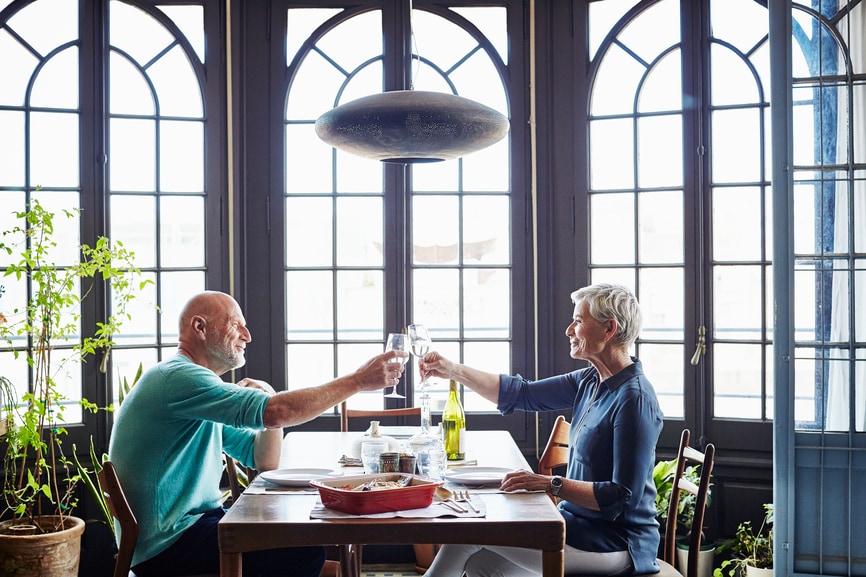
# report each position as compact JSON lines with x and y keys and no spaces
{"x":750,"y":548}
{"x":40,"y":480}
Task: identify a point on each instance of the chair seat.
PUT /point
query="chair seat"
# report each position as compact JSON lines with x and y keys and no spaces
{"x":665,"y":570}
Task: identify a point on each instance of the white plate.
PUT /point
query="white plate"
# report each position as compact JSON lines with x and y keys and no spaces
{"x":476,"y":475}
{"x":298,"y":477}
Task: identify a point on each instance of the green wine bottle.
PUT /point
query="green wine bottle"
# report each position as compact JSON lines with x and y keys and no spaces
{"x":454,"y":425}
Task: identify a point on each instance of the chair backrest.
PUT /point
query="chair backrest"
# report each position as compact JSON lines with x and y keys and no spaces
{"x":687,"y":456}
{"x":239,"y":476}
{"x":556,"y":452}
{"x":120,"y":509}
{"x":347,"y":413}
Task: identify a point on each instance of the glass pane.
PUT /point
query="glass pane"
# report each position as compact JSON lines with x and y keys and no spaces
{"x":437,"y":300}
{"x":805,"y":386}
{"x":359,"y":232}
{"x":610,"y":142}
{"x":13,"y":303}
{"x":360,"y":304}
{"x":16,"y":67}
{"x":129,"y":92}
{"x":300,"y":24}
{"x":133,"y":222}
{"x":437,"y":176}
{"x":308,"y":365}
{"x":809,"y":305}
{"x":737,"y":381}
{"x":660,"y":151}
{"x":181,"y":231}
{"x":11,"y":151}
{"x":660,"y":227}
{"x":615,"y":86}
{"x":662,"y":88}
{"x":435,"y":229}
{"x":124,"y":366}
{"x":742,"y":23}
{"x":486,"y":224}
{"x":67,"y":225}
{"x":492,"y":357}
{"x":140,"y":327}
{"x":487,"y":303}
{"x":309,"y":231}
{"x":737,"y":230}
{"x":487,"y":170}
{"x":54,"y":143}
{"x":737,"y":311}
{"x":308,"y":167}
{"x":309,"y":306}
{"x":663,"y":366}
{"x":657,"y":29}
{"x":132,"y":160}
{"x":732,"y":81}
{"x":353,"y":355}
{"x":736,"y":145}
{"x":602,"y":18}
{"x":606,"y":248}
{"x":805,"y":204}
{"x":358,"y":174}
{"x":804,"y":126}
{"x":136,"y":32}
{"x":190,"y":20}
{"x":46,"y":24}
{"x":662,"y":297}
{"x":56,"y":86}
{"x":181,"y":156}
{"x":175,"y":290}
{"x":492,"y":21}
{"x":12,"y":201}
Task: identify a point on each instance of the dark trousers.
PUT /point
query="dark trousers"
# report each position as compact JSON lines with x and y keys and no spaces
{"x":197,"y":552}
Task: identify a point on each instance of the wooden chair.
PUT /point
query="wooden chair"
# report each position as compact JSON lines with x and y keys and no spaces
{"x":120,"y":509}
{"x":346,"y":413}
{"x":686,"y":456}
{"x":556,"y":452}
{"x":424,"y":553}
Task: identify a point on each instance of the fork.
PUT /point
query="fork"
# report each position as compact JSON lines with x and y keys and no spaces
{"x":464,"y":497}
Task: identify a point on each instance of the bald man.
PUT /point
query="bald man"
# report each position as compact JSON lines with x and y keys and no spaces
{"x":172,"y":428}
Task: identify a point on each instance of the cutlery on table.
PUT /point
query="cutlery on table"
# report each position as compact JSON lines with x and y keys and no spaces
{"x":446,"y":497}
{"x":463,"y":497}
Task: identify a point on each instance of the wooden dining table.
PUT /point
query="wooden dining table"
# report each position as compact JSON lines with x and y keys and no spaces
{"x":267,"y":520}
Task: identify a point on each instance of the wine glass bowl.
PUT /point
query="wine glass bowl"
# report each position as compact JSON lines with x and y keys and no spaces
{"x":420,"y":342}
{"x":396,"y":342}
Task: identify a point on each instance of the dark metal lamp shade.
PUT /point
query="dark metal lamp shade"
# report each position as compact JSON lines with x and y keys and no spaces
{"x":406,"y":126}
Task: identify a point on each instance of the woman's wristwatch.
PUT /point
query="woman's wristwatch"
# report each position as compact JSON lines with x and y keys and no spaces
{"x":555,"y":485}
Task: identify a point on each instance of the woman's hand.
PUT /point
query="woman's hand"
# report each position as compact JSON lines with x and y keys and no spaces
{"x":433,"y":364}
{"x":523,"y":480}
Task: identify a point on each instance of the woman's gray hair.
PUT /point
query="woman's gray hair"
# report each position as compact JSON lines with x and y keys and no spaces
{"x":612,"y":301}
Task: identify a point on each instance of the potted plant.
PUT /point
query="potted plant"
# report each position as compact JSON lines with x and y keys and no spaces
{"x":663,"y":476}
{"x":752,"y":550}
{"x":39,"y":480}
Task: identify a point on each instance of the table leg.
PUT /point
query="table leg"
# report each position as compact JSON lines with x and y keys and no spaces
{"x":230,"y":565}
{"x":553,"y":563}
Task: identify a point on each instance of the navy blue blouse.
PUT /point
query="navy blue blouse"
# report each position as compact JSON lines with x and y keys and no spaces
{"x":615,"y":426}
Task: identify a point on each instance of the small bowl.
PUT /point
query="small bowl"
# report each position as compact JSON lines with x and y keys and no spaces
{"x":337,"y":494}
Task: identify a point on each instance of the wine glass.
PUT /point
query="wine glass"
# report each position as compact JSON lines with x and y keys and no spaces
{"x":396,"y":342}
{"x":420,"y":341}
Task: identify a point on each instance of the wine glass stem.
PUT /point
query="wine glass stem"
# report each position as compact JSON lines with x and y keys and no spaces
{"x":425,"y":410}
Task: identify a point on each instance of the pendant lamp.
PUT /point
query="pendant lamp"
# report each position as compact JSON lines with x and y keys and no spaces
{"x":409,"y":126}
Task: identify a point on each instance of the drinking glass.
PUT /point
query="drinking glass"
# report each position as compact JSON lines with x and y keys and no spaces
{"x":420,"y":341}
{"x":396,"y":342}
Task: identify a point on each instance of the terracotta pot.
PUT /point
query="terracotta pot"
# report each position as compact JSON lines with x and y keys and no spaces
{"x":48,"y":555}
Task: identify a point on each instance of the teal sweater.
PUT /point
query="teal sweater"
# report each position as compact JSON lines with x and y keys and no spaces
{"x":167,"y":445}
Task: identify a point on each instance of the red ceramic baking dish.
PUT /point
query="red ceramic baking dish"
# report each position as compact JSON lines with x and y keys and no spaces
{"x":340,"y":494}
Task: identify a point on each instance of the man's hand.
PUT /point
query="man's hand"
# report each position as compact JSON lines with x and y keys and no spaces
{"x":381,"y":371}
{"x":256,"y":384}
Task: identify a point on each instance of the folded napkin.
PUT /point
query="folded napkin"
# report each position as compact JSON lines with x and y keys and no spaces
{"x":435,"y":510}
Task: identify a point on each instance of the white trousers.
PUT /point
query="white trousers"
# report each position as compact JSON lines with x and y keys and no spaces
{"x":493,"y":561}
